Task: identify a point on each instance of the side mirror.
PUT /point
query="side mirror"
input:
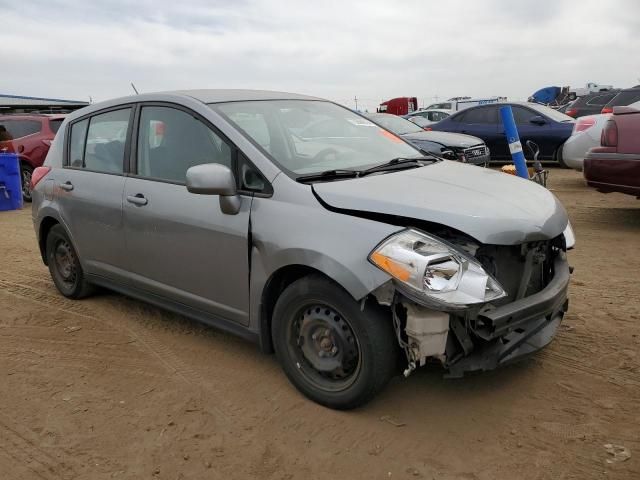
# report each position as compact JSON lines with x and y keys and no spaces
{"x":537,"y":120}
{"x":215,"y":179}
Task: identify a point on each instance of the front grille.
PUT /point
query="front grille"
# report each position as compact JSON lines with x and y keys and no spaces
{"x":508,"y":265}
{"x":475,"y":152}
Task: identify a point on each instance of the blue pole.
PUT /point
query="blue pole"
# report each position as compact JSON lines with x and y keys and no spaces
{"x":515,"y":147}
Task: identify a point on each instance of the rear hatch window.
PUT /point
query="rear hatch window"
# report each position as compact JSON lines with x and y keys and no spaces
{"x":14,"y":129}
{"x":625,"y":98}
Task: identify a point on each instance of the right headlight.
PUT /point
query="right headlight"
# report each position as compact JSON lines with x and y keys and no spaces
{"x":434,"y":272}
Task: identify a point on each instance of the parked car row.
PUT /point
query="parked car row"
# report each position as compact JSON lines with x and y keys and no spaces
{"x":29,"y":136}
{"x":586,"y":134}
{"x":614,"y":166}
{"x":602,"y":102}
{"x":451,"y":146}
{"x":545,"y":126}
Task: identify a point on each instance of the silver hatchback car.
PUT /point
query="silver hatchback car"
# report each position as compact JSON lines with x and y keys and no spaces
{"x":305,"y":227}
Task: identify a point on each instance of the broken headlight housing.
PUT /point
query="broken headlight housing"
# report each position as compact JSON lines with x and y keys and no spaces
{"x":434,"y":272}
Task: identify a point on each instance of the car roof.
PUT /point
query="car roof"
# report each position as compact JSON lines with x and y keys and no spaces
{"x":204,"y":96}
{"x":223,"y":95}
{"x":237,"y":95}
{"x":441,"y":110}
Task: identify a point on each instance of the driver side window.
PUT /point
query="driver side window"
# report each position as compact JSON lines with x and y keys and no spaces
{"x":170,"y":141}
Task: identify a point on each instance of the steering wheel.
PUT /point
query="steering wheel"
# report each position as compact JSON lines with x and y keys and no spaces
{"x":323,"y":154}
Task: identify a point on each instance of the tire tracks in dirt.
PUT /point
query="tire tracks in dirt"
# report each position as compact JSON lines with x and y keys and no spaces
{"x":162,"y":353}
{"x":22,"y":447}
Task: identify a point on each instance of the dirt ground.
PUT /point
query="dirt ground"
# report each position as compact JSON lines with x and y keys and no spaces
{"x":109,"y":387}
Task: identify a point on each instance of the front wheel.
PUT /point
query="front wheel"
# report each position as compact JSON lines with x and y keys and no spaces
{"x":335,"y":353}
{"x":26,"y":171}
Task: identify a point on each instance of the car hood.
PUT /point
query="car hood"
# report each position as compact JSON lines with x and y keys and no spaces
{"x":445,"y":138}
{"x":490,"y":206}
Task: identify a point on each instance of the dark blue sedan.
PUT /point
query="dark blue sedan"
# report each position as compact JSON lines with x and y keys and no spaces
{"x":543,"y":125}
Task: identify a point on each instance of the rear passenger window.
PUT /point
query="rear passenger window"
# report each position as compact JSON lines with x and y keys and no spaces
{"x":479,"y":115}
{"x":104,"y":149}
{"x":171,"y":141}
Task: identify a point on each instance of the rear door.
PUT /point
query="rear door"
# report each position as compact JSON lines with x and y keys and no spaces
{"x":180,"y":245}
{"x":89,"y":189}
{"x":482,"y":122}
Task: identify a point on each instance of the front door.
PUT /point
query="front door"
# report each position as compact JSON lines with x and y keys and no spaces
{"x":180,"y":245}
{"x":538,"y":133}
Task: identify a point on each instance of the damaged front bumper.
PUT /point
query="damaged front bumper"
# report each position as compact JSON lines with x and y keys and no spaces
{"x":488,"y":338}
{"x":516,"y":330}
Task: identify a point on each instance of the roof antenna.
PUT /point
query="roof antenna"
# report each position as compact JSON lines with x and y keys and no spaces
{"x":134,"y":88}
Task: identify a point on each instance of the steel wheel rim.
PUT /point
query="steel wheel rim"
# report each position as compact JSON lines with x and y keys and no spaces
{"x":26,"y":183}
{"x":326,"y":350}
{"x":64,"y":259}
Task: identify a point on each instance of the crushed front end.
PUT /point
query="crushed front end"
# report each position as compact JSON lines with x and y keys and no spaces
{"x":527,"y":299}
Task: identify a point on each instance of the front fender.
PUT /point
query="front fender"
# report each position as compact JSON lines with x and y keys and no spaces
{"x":305,"y":234}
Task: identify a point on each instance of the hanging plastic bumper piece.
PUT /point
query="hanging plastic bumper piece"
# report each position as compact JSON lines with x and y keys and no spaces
{"x":516,"y":330}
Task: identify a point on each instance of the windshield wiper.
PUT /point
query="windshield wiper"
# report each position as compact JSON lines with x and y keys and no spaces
{"x":395,"y":162}
{"x":329,"y":175}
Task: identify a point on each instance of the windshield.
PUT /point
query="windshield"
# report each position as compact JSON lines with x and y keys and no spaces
{"x":397,"y":125}
{"x":306,"y":136}
{"x":551,"y":113}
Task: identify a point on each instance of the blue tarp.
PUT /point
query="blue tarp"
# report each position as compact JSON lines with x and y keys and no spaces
{"x":546,"y":95}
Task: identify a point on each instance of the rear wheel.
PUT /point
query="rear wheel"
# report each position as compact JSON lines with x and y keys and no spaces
{"x":64,"y":265}
{"x":26,"y":171}
{"x":335,"y":353}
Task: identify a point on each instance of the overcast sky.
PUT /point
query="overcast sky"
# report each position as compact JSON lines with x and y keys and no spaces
{"x":371,"y":49}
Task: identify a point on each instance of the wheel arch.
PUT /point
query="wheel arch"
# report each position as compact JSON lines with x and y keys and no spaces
{"x":273,"y":288}
{"x":46,"y":224}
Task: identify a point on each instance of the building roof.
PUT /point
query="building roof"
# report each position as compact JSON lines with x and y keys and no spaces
{"x":19,"y":100}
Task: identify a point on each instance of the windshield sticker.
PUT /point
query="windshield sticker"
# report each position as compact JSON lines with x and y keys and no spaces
{"x":390,"y":136}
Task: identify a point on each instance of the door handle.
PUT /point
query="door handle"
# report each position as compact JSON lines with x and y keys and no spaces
{"x":137,"y":199}
{"x":67,"y":186}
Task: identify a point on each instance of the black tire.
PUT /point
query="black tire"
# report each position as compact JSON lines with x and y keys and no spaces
{"x":316,"y":306}
{"x":64,"y":265}
{"x":559,"y":158}
{"x":25,"y":175}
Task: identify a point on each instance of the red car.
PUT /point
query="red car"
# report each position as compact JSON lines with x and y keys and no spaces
{"x":30,"y":136}
{"x":615,"y":165}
